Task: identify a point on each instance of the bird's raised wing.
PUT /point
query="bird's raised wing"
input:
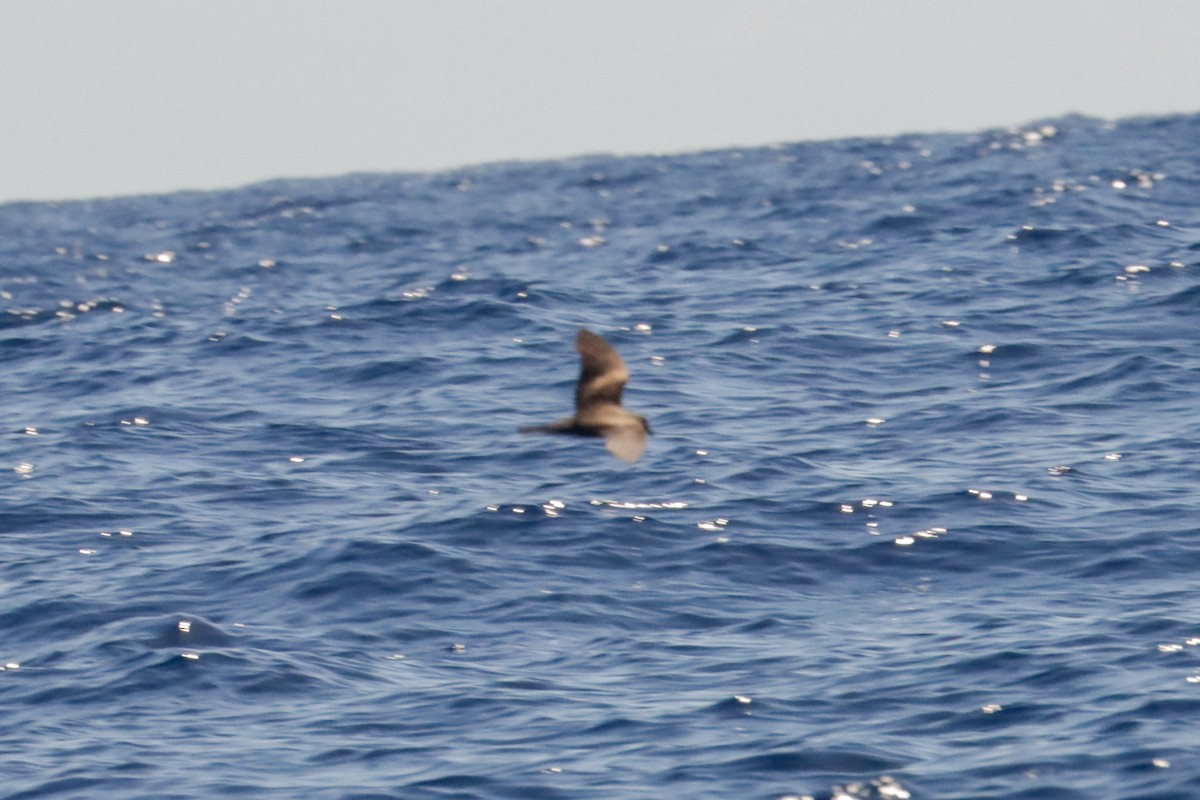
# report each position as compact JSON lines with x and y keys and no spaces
{"x":602,"y":375}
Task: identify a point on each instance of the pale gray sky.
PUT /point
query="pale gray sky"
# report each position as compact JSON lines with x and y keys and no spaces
{"x":133,"y":96}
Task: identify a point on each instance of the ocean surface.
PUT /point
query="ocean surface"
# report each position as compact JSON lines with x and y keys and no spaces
{"x":920,"y":517}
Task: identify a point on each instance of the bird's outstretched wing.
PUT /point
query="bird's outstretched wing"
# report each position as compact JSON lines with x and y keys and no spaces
{"x":626,"y":442}
{"x":602,"y":375}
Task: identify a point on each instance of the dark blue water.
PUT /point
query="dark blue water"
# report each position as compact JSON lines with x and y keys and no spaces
{"x":920,"y":517}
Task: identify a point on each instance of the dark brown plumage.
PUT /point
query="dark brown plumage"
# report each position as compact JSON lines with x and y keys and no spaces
{"x":598,"y":410}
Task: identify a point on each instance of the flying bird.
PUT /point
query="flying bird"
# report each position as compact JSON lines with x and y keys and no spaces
{"x":598,"y":409}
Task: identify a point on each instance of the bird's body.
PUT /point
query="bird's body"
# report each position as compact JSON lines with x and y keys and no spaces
{"x":598,"y":410}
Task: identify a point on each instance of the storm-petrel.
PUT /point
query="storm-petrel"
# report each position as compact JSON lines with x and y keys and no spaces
{"x":598,"y":409}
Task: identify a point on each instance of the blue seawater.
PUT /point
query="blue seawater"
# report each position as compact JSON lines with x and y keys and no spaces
{"x":920,"y":517}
